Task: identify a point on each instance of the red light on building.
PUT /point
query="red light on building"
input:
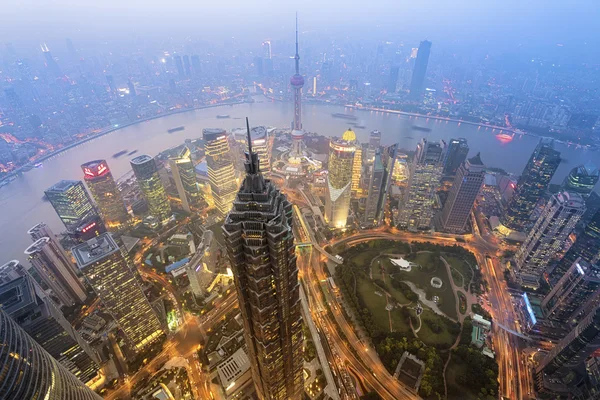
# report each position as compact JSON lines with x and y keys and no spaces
{"x":88,"y":227}
{"x":93,"y":170}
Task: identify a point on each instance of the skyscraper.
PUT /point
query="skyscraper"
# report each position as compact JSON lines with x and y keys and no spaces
{"x":575,"y":288}
{"x":267,"y":49}
{"x":103,"y":188}
{"x":394,"y":72}
{"x":262,"y":144}
{"x":339,"y":179}
{"x":417,"y":82}
{"x":72,"y":203}
{"x":357,"y":169}
{"x":146,"y":172}
{"x":27,"y":304}
{"x":582,"y":179}
{"x":50,"y":62}
{"x":184,"y":175}
{"x":260,"y":246}
{"x":374,"y":143}
{"x":297,"y":82}
{"x":379,"y":183}
{"x":30,"y":371}
{"x":56,"y":272}
{"x":187,"y":67}
{"x":112,"y":278}
{"x":425,"y":173}
{"x":466,"y":187}
{"x":586,"y":247}
{"x":179,"y":65}
{"x":548,"y":236}
{"x":457,"y":152}
{"x":531,"y":185}
{"x":221,"y":173}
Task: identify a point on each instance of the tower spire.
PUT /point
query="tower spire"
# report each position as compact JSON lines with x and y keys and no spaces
{"x":297,"y":56}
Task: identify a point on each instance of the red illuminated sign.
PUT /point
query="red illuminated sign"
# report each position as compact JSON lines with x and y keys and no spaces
{"x":95,"y":171}
{"x":87,"y":228}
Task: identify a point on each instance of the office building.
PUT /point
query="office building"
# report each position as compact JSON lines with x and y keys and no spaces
{"x":379,"y":183}
{"x":417,"y":83}
{"x":575,"y":288}
{"x":586,"y":247}
{"x":393,"y":80}
{"x":27,"y":304}
{"x":339,"y":179}
{"x":548,"y":236}
{"x":55,"y":272}
{"x":467,"y":184}
{"x":457,"y":152}
{"x":425,"y":173}
{"x":146,"y":172}
{"x":260,"y":246}
{"x":297,"y":82}
{"x":531,"y":186}
{"x":72,"y":203}
{"x":184,"y":175}
{"x":582,"y":180}
{"x":221,"y":173}
{"x":357,"y":170}
{"x":373,"y":146}
{"x":29,"y":371}
{"x":101,"y":262}
{"x":262,"y":144}
{"x":102,"y":186}
{"x":202,"y":264}
{"x":562,"y":370}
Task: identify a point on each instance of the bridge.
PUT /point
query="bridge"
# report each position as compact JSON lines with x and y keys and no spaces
{"x":513,"y":332}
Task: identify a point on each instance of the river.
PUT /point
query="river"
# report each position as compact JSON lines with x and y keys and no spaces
{"x":21,"y":201}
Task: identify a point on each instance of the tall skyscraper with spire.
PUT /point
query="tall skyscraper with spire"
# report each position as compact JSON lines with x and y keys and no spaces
{"x":260,"y":246}
{"x":297,"y":82}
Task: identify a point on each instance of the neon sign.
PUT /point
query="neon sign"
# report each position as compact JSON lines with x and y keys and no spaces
{"x":88,"y":227}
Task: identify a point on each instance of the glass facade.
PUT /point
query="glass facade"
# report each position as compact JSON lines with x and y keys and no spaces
{"x":221,"y":173}
{"x":184,"y":176}
{"x":146,"y":172}
{"x":582,"y":179}
{"x":72,"y":203}
{"x":457,"y":152}
{"x":339,"y":179}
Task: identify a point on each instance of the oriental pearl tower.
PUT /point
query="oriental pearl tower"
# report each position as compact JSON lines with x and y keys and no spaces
{"x":297,"y":82}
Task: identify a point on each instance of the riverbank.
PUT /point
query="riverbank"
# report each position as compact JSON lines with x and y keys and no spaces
{"x":105,"y":131}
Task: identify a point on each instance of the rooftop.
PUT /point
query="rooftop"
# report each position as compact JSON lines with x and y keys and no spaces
{"x":94,"y":250}
{"x":349,"y":135}
{"x":233,"y":367}
{"x":38,"y":245}
{"x":144,"y":158}
{"x":62,"y":186}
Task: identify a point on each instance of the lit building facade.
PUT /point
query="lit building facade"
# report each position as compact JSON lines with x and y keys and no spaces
{"x":357,"y":170}
{"x":548,"y":236}
{"x":467,"y":184}
{"x":101,"y":262}
{"x":146,"y":172}
{"x":184,"y":175}
{"x":339,"y":179}
{"x":27,"y":304}
{"x":379,"y":183}
{"x":102,"y":186}
{"x":30,"y":371}
{"x":262,"y":144}
{"x":56,"y":272}
{"x":260,"y":246}
{"x":72,"y":203}
{"x":425,"y":174}
{"x":457,"y":152}
{"x":221,"y":173}
{"x":582,"y":180}
{"x":531,"y":186}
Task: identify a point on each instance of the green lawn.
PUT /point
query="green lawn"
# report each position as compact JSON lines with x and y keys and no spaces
{"x":457,"y":277}
{"x":399,"y":323}
{"x":444,"y":338}
{"x":375,"y":303}
{"x":455,"y":390}
{"x":462,"y":267}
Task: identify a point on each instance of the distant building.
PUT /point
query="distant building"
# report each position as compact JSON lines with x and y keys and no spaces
{"x":108,"y":272}
{"x":146,"y":172}
{"x":221,"y":173}
{"x":24,"y":379}
{"x":184,"y":175}
{"x":548,"y":236}
{"x":417,"y":83}
{"x":179,"y":65}
{"x":379,"y":184}
{"x":102,"y":186}
{"x":56,"y":272}
{"x":582,"y":180}
{"x":467,"y":184}
{"x":393,"y":80}
{"x":72,"y":203}
{"x":531,"y":186}
{"x":187,"y":67}
{"x":339,"y":179}
{"x":457,"y":152}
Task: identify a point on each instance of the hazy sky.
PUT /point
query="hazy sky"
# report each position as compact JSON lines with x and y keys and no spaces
{"x":491,"y":22}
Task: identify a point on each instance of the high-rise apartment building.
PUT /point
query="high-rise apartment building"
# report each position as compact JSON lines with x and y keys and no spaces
{"x":29,"y":371}
{"x":56,"y":272}
{"x":113,"y":279}
{"x":146,"y":172}
{"x":184,"y":175}
{"x":575,"y":288}
{"x":221,"y":173}
{"x":586,"y":247}
{"x":582,"y":180}
{"x":27,"y":304}
{"x":339,"y":179}
{"x":260,"y":246}
{"x":379,"y":183}
{"x":548,"y":236}
{"x":457,"y":152}
{"x":467,"y":184}
{"x":531,"y":185}
{"x":417,"y":83}
{"x":425,"y":173}
{"x":72,"y":203}
{"x":102,"y":186}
